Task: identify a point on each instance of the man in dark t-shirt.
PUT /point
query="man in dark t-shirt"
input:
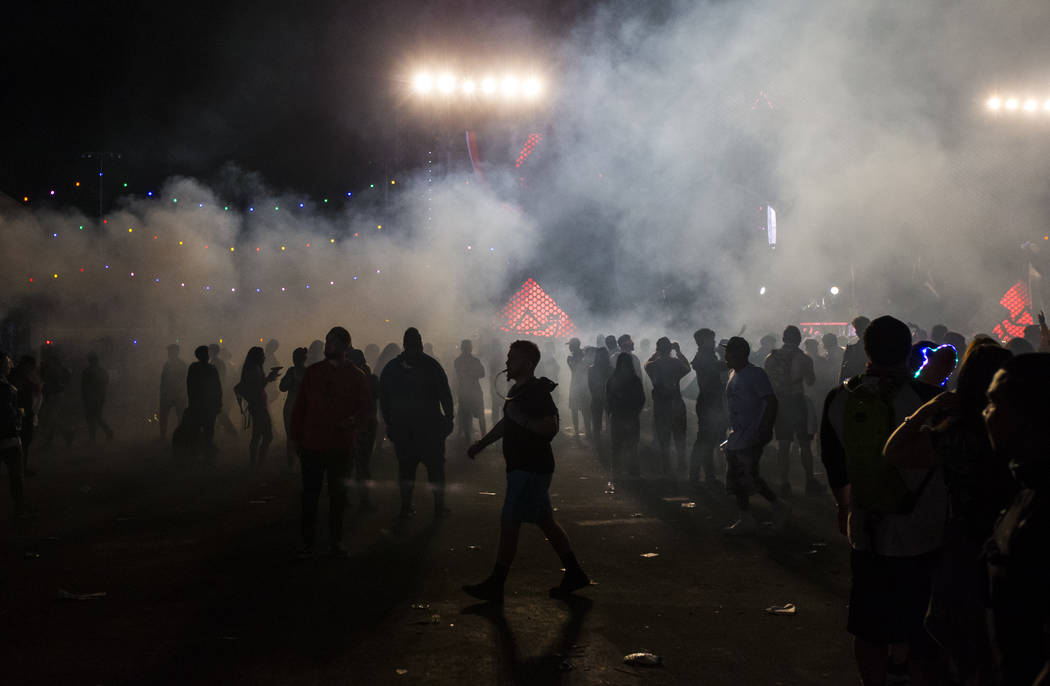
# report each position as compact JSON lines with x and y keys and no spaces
{"x":529,"y":424}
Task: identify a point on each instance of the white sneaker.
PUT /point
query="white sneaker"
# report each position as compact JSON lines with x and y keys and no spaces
{"x":745,"y":526}
{"x":781,"y":513}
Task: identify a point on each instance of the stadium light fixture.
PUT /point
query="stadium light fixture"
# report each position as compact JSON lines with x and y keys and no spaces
{"x":508,"y":86}
{"x":422,"y":83}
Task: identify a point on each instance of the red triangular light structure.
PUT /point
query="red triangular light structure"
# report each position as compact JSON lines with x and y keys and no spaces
{"x":1017,"y":302}
{"x":531,"y":312}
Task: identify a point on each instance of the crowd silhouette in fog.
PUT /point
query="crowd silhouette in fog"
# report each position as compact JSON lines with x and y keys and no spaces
{"x":933,"y":450}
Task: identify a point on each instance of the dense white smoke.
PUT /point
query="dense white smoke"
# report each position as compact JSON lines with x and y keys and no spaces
{"x":667,"y":133}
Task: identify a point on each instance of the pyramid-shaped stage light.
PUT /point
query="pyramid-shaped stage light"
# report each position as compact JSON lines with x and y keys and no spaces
{"x":531,"y":312}
{"x":1017,"y":302}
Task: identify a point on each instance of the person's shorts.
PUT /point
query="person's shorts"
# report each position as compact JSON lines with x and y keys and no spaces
{"x":528,"y":497}
{"x":889,"y":598}
{"x":742,"y":477}
{"x":792,"y":420}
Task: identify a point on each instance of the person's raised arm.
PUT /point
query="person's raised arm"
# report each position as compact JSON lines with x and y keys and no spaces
{"x":910,"y":446}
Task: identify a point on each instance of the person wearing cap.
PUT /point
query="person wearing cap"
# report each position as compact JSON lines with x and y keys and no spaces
{"x":332,"y":406}
{"x":416,"y":404}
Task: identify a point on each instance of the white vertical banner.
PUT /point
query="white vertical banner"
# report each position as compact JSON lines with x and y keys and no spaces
{"x":771,"y":225}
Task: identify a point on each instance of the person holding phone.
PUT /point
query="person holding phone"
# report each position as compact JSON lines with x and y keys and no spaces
{"x":252,"y":389}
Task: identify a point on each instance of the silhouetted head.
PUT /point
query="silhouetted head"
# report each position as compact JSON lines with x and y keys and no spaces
{"x":663,"y":345}
{"x":357,"y":358}
{"x":255,"y":357}
{"x":705,"y":339}
{"x":860,"y":325}
{"x":371,"y":351}
{"x":173,"y":351}
{"x":271,"y":347}
{"x":315,"y":351}
{"x":600,"y":359}
{"x":791,"y":336}
{"x":625,"y":343}
{"x":201,"y":353}
{"x":600,"y":341}
{"x":887,"y":341}
{"x":522,"y":358}
{"x":299,"y":356}
{"x":336,"y":343}
{"x":92,"y":359}
{"x":466,"y":346}
{"x":955,"y":339}
{"x":610,"y":343}
{"x":812,"y":347}
{"x":976,"y":373}
{"x":937,"y":332}
{"x":830,"y":341}
{"x":1019,"y":346}
{"x":1018,"y":405}
{"x":767,"y":341}
{"x":738,"y":350}
{"x":213,"y":351}
{"x":574,"y":345}
{"x":413,"y":341}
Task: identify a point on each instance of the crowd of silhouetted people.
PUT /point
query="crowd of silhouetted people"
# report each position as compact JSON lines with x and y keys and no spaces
{"x":933,"y":446}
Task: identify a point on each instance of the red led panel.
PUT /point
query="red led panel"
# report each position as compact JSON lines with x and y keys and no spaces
{"x":531,"y":312}
{"x":530,"y":144}
{"x":1017,"y":302}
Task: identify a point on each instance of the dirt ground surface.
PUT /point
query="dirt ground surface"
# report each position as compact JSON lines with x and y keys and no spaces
{"x":202,"y":586}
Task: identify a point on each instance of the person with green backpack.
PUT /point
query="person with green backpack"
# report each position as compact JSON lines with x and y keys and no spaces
{"x":894,"y":518}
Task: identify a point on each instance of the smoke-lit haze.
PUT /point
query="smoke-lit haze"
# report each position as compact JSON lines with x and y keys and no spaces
{"x":667,"y":132}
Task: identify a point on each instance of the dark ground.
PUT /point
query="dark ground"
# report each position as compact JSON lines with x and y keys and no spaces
{"x":202,"y":587}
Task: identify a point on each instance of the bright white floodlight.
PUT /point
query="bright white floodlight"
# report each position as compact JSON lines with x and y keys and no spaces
{"x":1046,"y":106}
{"x":488,"y":85}
{"x":994,"y":104}
{"x":531,"y":87}
{"x":509,"y":87}
{"x":1031,"y":105}
{"x":469,"y":87}
{"x":422,"y":83}
{"x":762,"y":291}
{"x":834,"y":290}
{"x":1011,"y":104}
{"x":447,"y":83}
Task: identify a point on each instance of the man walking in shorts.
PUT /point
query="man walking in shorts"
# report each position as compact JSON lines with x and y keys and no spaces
{"x":530,"y":422}
{"x":752,"y":412}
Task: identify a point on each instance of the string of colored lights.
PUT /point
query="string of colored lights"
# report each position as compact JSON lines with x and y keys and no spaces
{"x":52,"y":193}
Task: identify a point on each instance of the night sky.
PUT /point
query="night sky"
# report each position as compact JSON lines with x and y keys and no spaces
{"x":302,"y":93}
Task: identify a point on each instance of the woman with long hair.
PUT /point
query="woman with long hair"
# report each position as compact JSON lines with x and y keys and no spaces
{"x":252,"y":389}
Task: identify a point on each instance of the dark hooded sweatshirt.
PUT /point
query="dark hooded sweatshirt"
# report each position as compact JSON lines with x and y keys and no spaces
{"x":523,"y":449}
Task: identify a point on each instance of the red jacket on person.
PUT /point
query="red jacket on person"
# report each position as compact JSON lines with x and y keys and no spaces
{"x":328,"y":397}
